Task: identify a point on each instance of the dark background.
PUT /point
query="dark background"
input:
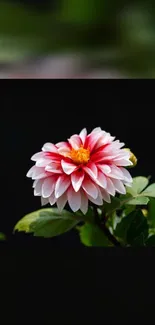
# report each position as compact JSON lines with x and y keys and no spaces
{"x":58,"y":281}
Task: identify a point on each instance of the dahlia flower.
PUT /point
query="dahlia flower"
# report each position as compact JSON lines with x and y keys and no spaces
{"x":84,"y":168}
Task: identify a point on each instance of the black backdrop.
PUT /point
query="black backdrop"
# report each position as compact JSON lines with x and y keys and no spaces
{"x":58,"y":281}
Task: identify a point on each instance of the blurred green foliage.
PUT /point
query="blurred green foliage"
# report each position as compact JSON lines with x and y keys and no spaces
{"x":118,"y":34}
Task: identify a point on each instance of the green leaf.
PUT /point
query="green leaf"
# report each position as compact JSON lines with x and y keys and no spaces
{"x":110,"y":207}
{"x":91,"y":235}
{"x":139,"y":241}
{"x":131,"y":227}
{"x":128,"y":209}
{"x":47,"y":222}
{"x":139,"y":200}
{"x":149,"y":191}
{"x":151,"y":212}
{"x":139,"y":183}
{"x":150,"y":241}
{"x":2,"y":236}
{"x":88,"y":217}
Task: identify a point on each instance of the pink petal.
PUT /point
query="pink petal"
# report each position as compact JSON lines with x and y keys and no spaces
{"x":39,"y":173}
{"x":83,"y":135}
{"x":93,"y":138}
{"x":119,"y":186}
{"x":75,"y":141}
{"x":61,"y":202}
{"x":77,"y":179}
{"x":90,"y":188}
{"x":89,"y":172}
{"x":84,"y":202}
{"x":123,"y":162}
{"x":43,"y":162}
{"x":105,"y":138}
{"x":105,"y":196}
{"x":67,"y":167}
{"x":35,"y":183}
{"x":62,"y":185}
{"x":48,"y":187}
{"x":63,"y":144}
{"x":44,"y":201}
{"x":98,"y":129}
{"x":104,"y":168}
{"x":97,"y":201}
{"x":116,"y":172}
{"x":74,"y":199}
{"x":100,"y":157}
{"x":52,"y":199}
{"x":101,"y":180}
{"x":31,"y":171}
{"x":127,"y":176}
{"x":64,"y":151}
{"x":37,"y":156}
{"x":110,"y":187}
{"x":93,"y":168}
{"x":54,"y":167}
{"x":38,"y":187}
{"x":116,"y":144}
{"x":64,"y":148}
{"x":49,"y":147}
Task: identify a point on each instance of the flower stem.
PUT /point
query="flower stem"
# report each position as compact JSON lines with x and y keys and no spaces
{"x":102,"y":225}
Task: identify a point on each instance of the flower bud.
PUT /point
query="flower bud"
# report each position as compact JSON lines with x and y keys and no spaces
{"x":133,"y":158}
{"x":145,"y":212}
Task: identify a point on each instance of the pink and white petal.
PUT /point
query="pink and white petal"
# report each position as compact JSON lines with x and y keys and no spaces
{"x":75,"y":141}
{"x":52,"y":199}
{"x":43,"y":162}
{"x":37,"y":156}
{"x":63,"y":144}
{"x":84,"y":202}
{"x":98,"y":129}
{"x":34,"y":183}
{"x":61,"y":202}
{"x":39,"y":173}
{"x":110,"y":187}
{"x":123,"y":154}
{"x":90,"y":188}
{"x":105,"y":138}
{"x":62,"y":185}
{"x":93,"y":138}
{"x":97,"y":201}
{"x":105,"y":195}
{"x":54,"y":167}
{"x":77,"y":179}
{"x":101,"y":180}
{"x":48,"y":186}
{"x":116,"y":172}
{"x":38,"y":187}
{"x":104,"y":168}
{"x":64,"y":151}
{"x":74,"y":199}
{"x":31,"y":171}
{"x":127,"y":176}
{"x":101,"y":157}
{"x":117,"y":144}
{"x":89,"y":172}
{"x":83,"y":135}
{"x":120,"y":188}
{"x":67,"y":167}
{"x":92,"y":166}
{"x":44,"y":201}
{"x":123,"y":162}
{"x":49,"y":147}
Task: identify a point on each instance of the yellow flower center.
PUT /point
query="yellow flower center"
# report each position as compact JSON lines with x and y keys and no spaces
{"x":80,"y":156}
